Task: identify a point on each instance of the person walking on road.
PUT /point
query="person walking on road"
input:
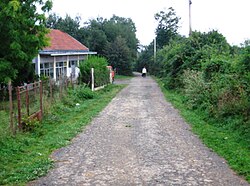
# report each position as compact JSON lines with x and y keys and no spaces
{"x":144,"y":72}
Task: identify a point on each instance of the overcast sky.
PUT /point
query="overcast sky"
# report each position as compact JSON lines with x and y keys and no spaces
{"x":229,"y":17}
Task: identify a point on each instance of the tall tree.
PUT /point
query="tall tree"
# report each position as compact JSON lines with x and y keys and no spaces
{"x":23,"y":33}
{"x":106,"y":36}
{"x":96,"y":36}
{"x":167,"y":28}
{"x":68,"y":24}
{"x":119,"y":56}
{"x":100,"y":35}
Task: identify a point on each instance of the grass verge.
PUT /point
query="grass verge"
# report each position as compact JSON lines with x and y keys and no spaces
{"x":123,"y":77}
{"x":228,"y":143}
{"x":25,"y":157}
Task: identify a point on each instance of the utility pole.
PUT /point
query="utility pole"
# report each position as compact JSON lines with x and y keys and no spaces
{"x":155,"y":50}
{"x":190,"y":28}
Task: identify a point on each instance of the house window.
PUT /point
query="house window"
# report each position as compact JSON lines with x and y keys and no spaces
{"x":61,"y":69}
{"x":72,"y":63}
{"x":46,"y":69}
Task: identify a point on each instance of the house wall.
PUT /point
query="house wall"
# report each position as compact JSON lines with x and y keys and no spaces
{"x":56,"y":66}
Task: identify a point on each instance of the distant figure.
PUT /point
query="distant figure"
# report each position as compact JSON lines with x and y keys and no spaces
{"x":144,"y":72}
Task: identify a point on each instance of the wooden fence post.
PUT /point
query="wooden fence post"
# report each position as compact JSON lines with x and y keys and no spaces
{"x":35,"y":88}
{"x":19,"y":108}
{"x":50,"y":89}
{"x":71,"y":80}
{"x":13,"y":130}
{"x":27,"y":99}
{"x":41,"y":98}
{"x":66,"y":85}
{"x":92,"y":80}
{"x":60,"y":86}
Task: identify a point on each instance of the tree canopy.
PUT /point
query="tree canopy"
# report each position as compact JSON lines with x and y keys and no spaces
{"x":211,"y":76}
{"x":103,"y":36}
{"x":23,"y":33}
{"x":167,"y":27}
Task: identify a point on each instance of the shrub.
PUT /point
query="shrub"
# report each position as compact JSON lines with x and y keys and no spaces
{"x":230,"y":95}
{"x":100,"y":71}
{"x":82,"y":93}
{"x":196,"y":90}
{"x":29,"y":123}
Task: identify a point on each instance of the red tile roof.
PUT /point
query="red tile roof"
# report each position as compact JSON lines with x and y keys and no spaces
{"x":63,"y":41}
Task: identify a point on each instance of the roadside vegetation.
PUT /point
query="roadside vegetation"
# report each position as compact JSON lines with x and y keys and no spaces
{"x":114,"y":38}
{"x":204,"y":76}
{"x":209,"y":81}
{"x":122,"y":77}
{"x":226,"y":141}
{"x":25,"y":157}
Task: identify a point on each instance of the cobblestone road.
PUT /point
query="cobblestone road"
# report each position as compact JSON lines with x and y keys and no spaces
{"x":138,"y":139}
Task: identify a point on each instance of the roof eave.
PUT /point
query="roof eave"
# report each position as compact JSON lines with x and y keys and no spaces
{"x":66,"y":52}
{"x":73,"y":53}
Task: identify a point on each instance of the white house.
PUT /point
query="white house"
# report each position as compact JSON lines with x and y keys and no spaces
{"x":62,"y":57}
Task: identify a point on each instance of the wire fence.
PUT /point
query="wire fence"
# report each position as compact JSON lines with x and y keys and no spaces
{"x":19,"y":105}
{"x":23,"y":103}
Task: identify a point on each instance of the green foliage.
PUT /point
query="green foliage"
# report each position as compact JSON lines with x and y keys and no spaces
{"x":114,"y":38}
{"x":26,"y":156}
{"x":68,"y":25}
{"x":119,"y":56}
{"x":29,"y":123}
{"x":167,"y":27}
{"x":216,"y":64}
{"x":245,"y":59}
{"x":213,"y":79}
{"x":82,"y":93}
{"x":23,"y":33}
{"x":191,"y":53}
{"x":146,"y":60}
{"x":226,"y":137}
{"x":196,"y":90}
{"x":101,"y":72}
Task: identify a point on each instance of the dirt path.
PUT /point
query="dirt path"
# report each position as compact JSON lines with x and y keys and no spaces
{"x":138,"y":139}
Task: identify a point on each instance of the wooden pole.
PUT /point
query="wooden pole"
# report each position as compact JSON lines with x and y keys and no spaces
{"x":66,"y":85}
{"x":19,"y":108}
{"x":71,"y":80}
{"x":34,"y":84}
{"x":92,"y":80}
{"x":11,"y":108}
{"x":155,"y":50}
{"x":27,"y":99}
{"x":41,"y":98}
{"x":60,"y":86}
{"x":50,"y":89}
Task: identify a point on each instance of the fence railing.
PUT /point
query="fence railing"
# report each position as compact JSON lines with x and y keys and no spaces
{"x":108,"y":79}
{"x":30,"y":96}
{"x":26,"y":101}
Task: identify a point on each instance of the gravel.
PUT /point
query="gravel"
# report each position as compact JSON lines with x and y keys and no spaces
{"x":138,"y":139}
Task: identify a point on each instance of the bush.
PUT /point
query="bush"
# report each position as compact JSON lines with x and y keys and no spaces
{"x":29,"y":124}
{"x":196,"y":90}
{"x":230,"y":95}
{"x":100,"y":71}
{"x":82,"y":93}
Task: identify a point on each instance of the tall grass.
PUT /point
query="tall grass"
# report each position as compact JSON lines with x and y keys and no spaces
{"x":223,"y":137}
{"x":26,"y":156}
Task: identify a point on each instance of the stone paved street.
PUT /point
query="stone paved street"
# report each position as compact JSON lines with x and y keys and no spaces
{"x":138,"y":139}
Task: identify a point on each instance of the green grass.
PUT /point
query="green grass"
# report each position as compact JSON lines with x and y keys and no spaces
{"x":228,"y":143}
{"x":123,"y":77}
{"x":25,"y":157}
